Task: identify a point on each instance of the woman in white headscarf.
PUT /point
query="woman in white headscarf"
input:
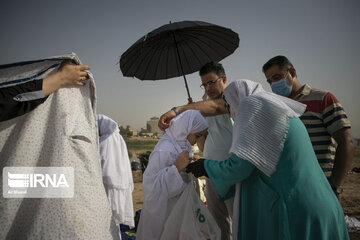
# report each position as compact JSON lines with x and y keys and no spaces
{"x":283,"y":192}
{"x":164,"y":178}
{"x":116,"y":171}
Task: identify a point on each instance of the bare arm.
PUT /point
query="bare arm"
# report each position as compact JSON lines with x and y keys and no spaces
{"x":68,"y":74}
{"x":207,"y":108}
{"x":343,"y":158}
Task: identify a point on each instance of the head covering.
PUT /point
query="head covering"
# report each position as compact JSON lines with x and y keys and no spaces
{"x":190,"y":121}
{"x":162,"y":182}
{"x":261,"y":123}
{"x":107,"y":126}
{"x":116,"y":170}
{"x":237,"y":91}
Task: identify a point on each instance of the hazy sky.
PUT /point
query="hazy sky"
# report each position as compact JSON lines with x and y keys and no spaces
{"x":320,"y":37}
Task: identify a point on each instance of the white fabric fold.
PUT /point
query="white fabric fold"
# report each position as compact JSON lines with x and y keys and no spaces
{"x":116,"y":171}
{"x":162,"y":182}
{"x":261,"y":120}
{"x":121,"y":205}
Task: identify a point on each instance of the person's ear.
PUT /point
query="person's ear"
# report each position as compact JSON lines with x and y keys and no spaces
{"x":292,"y":72}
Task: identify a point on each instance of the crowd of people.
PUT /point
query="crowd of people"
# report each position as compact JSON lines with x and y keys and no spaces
{"x":274,"y":162}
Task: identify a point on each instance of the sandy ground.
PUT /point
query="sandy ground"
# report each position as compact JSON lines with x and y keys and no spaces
{"x":350,"y":196}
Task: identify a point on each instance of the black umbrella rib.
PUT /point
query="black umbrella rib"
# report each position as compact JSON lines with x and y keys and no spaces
{"x":154,"y":50}
{"x":138,"y":44}
{"x":158,"y":61}
{"x":182,"y":70}
{"x":167,"y":62}
{"x":185,"y":56}
{"x":130,"y":59}
{"x":166,"y":47}
{"x":226,"y":35}
{"x":213,"y":40}
{"x":132,"y":52}
{"x":177,"y":57}
{"x":144,"y":54}
{"x":136,"y":52}
{"x":193,"y":52}
{"x":140,"y":63}
{"x":205,"y":43}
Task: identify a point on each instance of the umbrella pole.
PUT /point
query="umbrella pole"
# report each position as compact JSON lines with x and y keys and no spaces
{"x":187,"y":89}
{"x":182,"y":71}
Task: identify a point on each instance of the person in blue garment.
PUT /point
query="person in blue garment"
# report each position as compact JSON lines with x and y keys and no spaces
{"x":280,"y":190}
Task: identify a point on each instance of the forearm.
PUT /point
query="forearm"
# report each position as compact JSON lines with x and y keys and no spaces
{"x":343,"y":160}
{"x":207,"y":108}
{"x":225,"y":174}
{"x":51,"y":84}
{"x":230,"y":171}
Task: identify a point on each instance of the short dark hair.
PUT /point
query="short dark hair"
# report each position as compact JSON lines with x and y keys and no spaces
{"x":281,"y":61}
{"x":212,"y":67}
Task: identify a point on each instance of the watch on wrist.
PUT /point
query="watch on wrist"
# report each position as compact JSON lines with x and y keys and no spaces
{"x":337,"y":190}
{"x":176,"y":111}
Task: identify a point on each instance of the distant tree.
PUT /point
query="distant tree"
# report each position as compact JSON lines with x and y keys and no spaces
{"x":122,"y":130}
{"x":125,"y":132}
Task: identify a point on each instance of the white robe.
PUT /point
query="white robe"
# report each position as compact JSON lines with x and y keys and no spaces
{"x":117,"y":176}
{"x":162,"y":182}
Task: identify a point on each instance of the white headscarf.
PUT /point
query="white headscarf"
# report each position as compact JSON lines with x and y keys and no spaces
{"x":237,"y":91}
{"x":116,"y":170}
{"x":261,"y":123}
{"x":107,"y":126}
{"x":190,"y":121}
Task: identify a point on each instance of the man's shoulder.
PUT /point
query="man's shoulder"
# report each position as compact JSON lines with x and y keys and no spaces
{"x":315,"y":94}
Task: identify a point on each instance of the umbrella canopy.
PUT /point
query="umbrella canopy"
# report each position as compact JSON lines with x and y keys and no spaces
{"x":177,"y":49}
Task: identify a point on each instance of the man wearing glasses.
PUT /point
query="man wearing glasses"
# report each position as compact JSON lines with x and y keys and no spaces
{"x":324,"y":119}
{"x":216,"y":144}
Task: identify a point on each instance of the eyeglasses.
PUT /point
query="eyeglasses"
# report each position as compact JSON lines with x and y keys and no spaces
{"x":209,"y":83}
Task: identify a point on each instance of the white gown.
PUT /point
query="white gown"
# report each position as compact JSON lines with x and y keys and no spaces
{"x":117,"y":176}
{"x":162,"y":182}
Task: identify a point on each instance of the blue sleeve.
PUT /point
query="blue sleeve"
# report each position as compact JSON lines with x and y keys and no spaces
{"x":225,"y":174}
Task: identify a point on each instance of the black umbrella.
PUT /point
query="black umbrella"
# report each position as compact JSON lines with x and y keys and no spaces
{"x":177,"y":49}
